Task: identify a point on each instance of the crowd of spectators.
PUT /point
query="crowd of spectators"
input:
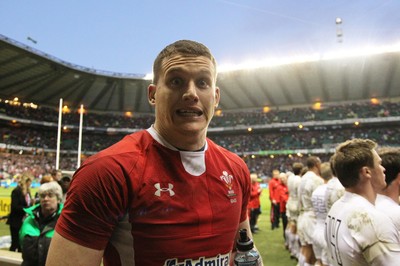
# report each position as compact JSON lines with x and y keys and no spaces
{"x":13,"y":164}
{"x":238,"y":143}
{"x":71,"y":117}
{"x":364,"y":109}
{"x":304,"y":114}
{"x":40,"y":142}
{"x":305,"y":139}
{"x":46,"y":138}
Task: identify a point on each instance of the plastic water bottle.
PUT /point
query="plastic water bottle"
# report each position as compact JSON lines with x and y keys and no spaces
{"x":246,"y":255}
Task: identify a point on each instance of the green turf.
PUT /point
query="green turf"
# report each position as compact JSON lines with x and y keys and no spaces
{"x":6,"y":192}
{"x":269,"y":242}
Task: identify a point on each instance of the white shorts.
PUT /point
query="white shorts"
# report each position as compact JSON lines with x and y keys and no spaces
{"x":305,"y":227}
{"x":292,"y":209}
{"x":319,"y":242}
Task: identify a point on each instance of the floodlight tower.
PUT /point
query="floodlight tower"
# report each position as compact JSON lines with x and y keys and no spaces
{"x":339,"y":31}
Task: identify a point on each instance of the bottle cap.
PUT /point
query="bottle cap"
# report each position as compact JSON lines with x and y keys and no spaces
{"x":244,"y":243}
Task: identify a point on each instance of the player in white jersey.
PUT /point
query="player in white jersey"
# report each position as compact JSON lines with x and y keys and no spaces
{"x":356,"y":232}
{"x":334,"y":191}
{"x":292,"y":209}
{"x":387,"y":200}
{"x":306,"y":221}
{"x":319,"y":207}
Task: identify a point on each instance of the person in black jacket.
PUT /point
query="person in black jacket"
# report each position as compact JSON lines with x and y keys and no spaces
{"x":20,"y":198}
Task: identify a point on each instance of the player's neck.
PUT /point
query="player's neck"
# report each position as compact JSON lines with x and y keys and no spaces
{"x":189,"y":144}
{"x":365,"y":191}
{"x":315,"y":170}
{"x":183,"y":141}
{"x":392,"y":191}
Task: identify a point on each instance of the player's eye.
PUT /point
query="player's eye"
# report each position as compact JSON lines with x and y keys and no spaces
{"x":176,"y":82}
{"x":203,"y":83}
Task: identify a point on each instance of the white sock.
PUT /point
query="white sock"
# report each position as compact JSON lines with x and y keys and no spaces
{"x":290,"y":242}
{"x":301,"y":259}
{"x":287,"y":237}
{"x":296,"y":246}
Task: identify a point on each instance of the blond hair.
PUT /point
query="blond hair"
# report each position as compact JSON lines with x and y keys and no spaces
{"x":51,"y":187}
{"x":23,"y":182}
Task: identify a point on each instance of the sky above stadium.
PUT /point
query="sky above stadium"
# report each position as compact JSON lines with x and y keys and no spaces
{"x":125,"y":35}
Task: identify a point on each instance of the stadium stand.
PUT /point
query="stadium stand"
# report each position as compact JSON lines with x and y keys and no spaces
{"x":293,"y":125}
{"x":275,"y":141}
{"x":266,"y":139}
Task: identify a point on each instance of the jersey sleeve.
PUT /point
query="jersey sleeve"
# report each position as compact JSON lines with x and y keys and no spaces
{"x":383,"y":254}
{"x":379,"y":244}
{"x":96,"y":201}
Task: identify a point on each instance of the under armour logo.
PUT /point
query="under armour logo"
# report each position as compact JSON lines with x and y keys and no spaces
{"x":164,"y":189}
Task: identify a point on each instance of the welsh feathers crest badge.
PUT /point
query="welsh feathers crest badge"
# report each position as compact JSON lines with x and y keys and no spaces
{"x":227,"y":178}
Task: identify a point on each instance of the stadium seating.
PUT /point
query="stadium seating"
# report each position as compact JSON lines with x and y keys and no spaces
{"x":276,"y":139}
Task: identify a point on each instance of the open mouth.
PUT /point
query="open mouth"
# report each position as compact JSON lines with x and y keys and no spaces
{"x":189,"y":113}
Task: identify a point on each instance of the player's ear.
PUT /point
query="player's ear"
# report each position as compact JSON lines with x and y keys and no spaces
{"x":151,"y":94}
{"x":217,"y":96}
{"x":365,"y":171}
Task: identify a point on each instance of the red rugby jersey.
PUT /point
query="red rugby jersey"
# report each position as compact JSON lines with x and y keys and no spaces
{"x":146,"y":203}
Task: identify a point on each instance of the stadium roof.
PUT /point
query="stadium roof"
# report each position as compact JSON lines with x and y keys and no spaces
{"x":43,"y":79}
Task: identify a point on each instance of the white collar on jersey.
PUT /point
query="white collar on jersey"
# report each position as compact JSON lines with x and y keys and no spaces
{"x":153,"y":132}
{"x":193,"y":161}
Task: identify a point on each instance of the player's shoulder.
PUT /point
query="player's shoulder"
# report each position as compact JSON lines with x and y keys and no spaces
{"x":128,"y":147}
{"x":222,"y":152}
{"x":371,"y":225}
{"x":320,"y":190}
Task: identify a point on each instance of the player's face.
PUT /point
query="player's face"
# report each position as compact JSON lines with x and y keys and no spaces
{"x":378,"y":173}
{"x":283,"y":178}
{"x":185,"y":97}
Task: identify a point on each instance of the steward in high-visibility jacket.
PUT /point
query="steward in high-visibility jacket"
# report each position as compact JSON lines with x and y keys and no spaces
{"x":38,"y":227}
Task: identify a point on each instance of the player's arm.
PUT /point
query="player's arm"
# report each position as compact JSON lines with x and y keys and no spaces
{"x":245,"y":225}
{"x":382,"y":254}
{"x":65,"y":252}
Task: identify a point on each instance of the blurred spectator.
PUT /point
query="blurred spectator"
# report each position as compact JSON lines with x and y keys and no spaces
{"x":274,"y":198}
{"x":38,"y":228}
{"x":56,"y":174}
{"x":20,"y":198}
{"x":283,"y":195}
{"x":254,"y":203}
{"x":65,"y":183}
{"x":45,"y":179}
